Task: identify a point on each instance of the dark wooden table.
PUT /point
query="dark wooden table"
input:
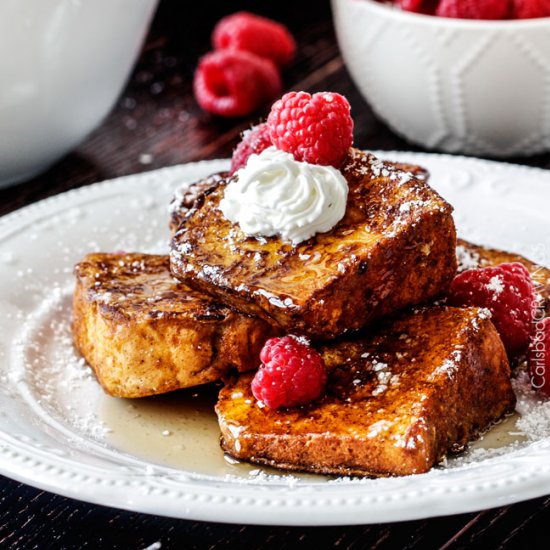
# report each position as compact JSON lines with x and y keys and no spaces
{"x":157,"y":123}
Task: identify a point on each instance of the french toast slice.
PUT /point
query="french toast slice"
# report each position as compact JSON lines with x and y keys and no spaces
{"x":470,"y":256}
{"x":398,"y":399}
{"x":394,"y":247}
{"x":143,"y":333}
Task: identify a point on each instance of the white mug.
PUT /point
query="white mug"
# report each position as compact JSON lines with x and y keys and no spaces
{"x":63,"y":63}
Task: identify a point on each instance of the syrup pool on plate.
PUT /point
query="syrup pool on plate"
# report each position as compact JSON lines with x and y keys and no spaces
{"x":180,"y":430}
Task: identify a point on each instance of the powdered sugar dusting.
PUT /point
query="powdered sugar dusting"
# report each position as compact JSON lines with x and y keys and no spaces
{"x":53,"y":370}
{"x":450,"y":365}
{"x":533,"y":407}
{"x":466,"y":258}
{"x":385,"y":378}
{"x":496,"y":286}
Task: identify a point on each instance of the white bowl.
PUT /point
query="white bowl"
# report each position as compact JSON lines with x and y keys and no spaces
{"x":63,"y":63}
{"x":475,"y":87}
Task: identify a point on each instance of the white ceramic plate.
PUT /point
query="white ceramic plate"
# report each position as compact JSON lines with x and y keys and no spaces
{"x":59,"y":432}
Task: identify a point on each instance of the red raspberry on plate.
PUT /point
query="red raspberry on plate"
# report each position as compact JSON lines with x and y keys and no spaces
{"x":314,"y":128}
{"x":235,"y":83}
{"x":292,"y":373}
{"x":262,"y":36}
{"x":508,"y":292}
{"x":474,"y":9}
{"x":530,"y":9}
{"x":427,"y":7}
{"x":539,"y":356}
{"x":253,"y":141}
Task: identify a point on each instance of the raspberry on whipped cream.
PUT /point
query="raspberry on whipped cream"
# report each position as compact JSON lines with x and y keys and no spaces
{"x":274,"y":194}
{"x":314,"y":128}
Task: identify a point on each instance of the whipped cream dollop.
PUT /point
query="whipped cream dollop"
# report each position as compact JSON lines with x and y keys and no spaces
{"x":276,"y":195}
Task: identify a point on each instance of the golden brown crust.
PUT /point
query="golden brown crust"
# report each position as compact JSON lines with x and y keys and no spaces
{"x":143,"y":333}
{"x":394,"y":247}
{"x":397,"y":401}
{"x":186,"y":196}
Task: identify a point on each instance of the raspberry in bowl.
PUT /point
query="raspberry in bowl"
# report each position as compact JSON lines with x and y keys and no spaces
{"x":473,"y":9}
{"x":474,"y":86}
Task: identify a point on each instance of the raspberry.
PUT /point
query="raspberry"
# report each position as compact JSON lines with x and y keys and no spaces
{"x":253,"y":141}
{"x":317,"y":129}
{"x":427,"y":7}
{"x":508,"y":292}
{"x":474,"y":9}
{"x":262,"y":36}
{"x":529,"y":9}
{"x":292,"y":373}
{"x":539,"y":356}
{"x":235,"y":83}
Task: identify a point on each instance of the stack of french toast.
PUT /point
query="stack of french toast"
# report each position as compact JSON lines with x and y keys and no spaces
{"x":409,"y":379}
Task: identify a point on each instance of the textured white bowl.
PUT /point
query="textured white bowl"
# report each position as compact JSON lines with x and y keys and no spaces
{"x":475,"y":87}
{"x":63,"y":63}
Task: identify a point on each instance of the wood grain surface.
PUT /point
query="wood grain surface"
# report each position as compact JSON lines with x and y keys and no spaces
{"x":157,"y":123}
